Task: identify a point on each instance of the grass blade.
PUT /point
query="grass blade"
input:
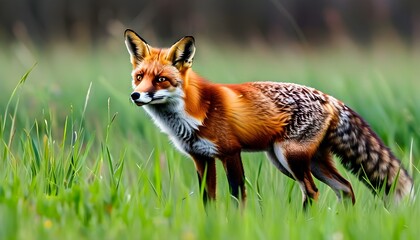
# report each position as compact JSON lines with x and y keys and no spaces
{"x":21,"y":82}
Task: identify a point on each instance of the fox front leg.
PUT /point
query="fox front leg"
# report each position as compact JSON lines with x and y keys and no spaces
{"x":206,"y":168}
{"x":236,"y":176}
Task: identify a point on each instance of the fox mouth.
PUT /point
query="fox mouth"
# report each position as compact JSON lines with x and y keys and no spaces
{"x":139,"y":103}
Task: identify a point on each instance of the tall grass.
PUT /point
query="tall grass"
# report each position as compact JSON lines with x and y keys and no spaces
{"x":79,"y":161}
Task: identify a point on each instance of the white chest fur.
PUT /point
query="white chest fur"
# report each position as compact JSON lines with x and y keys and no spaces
{"x":182,"y":128}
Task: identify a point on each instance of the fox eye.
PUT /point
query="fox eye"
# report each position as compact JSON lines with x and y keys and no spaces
{"x":161,"y":79}
{"x":139,"y":77}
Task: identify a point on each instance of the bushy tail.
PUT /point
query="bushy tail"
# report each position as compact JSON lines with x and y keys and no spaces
{"x":363,"y":153}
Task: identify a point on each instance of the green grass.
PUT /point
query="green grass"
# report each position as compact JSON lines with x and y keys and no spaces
{"x":78,"y":160}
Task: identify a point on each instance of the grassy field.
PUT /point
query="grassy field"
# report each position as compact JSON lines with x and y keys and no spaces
{"x":79,"y":161}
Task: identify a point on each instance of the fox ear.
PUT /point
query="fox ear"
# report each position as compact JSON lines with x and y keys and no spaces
{"x":136,"y":46}
{"x":181,"y":54}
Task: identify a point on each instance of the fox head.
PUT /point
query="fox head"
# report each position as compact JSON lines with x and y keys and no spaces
{"x":158,"y":73}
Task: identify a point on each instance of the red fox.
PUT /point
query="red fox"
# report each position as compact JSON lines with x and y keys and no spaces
{"x":298,"y":127}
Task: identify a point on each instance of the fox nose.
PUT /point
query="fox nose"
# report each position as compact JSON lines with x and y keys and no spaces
{"x":135,"y":96}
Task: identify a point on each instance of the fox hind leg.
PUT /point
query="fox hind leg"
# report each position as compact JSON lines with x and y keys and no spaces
{"x":275,"y":158}
{"x":322,"y":167}
{"x":295,"y":160}
{"x":308,"y":188}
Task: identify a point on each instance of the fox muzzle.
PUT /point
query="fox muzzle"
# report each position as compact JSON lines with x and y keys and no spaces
{"x":141,"y":99}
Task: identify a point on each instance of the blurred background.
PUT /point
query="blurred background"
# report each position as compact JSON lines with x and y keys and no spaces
{"x":241,"y":21}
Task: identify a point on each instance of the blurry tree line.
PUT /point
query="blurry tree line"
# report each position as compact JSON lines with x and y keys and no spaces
{"x":313,"y":21}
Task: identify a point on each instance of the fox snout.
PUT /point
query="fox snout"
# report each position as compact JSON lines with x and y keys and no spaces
{"x":141,"y":99}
